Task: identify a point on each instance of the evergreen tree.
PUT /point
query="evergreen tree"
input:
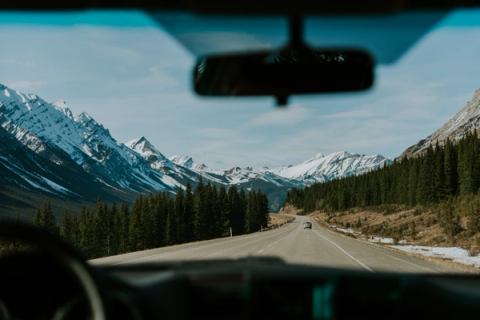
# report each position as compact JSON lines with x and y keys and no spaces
{"x":438,"y":183}
{"x":222,"y":220}
{"x":67,"y":231}
{"x":201,"y":213}
{"x":158,"y":220}
{"x":136,"y":228}
{"x":450,"y":167}
{"x":161,"y":212}
{"x":148,"y":222}
{"x":189,"y":215}
{"x":180,"y":216}
{"x":170,"y":224}
{"x":101,"y":230}
{"x":44,"y":218}
{"x":115,"y":232}
{"x":123,"y":226}
{"x":236,"y":210}
{"x":440,"y":172}
{"x":87,"y":235}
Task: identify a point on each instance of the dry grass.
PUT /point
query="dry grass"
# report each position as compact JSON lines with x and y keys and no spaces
{"x":290,"y":210}
{"x":279,"y":219}
{"x":411,"y":225}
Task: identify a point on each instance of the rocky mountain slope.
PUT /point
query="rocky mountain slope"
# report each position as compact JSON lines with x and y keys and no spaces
{"x":47,"y":149}
{"x":466,"y":120}
{"x":320,"y":168}
{"x":41,"y":126}
{"x":336,"y":165}
{"x":277,"y":181}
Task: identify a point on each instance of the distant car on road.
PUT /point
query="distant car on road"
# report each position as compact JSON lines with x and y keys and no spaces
{"x":307,"y":225}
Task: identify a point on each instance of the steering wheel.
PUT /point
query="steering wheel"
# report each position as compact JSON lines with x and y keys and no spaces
{"x":65,"y":256}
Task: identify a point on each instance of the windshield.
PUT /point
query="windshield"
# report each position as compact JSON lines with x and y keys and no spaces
{"x":108,"y":146}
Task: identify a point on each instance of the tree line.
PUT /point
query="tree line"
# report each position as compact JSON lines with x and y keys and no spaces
{"x":440,"y":173}
{"x":161,"y":219}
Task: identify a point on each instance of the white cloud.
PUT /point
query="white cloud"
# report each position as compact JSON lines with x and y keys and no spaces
{"x":136,"y":82}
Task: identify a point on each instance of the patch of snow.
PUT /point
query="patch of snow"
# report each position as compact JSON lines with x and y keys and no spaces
{"x":25,"y":176}
{"x":383,"y":240}
{"x":56,"y":186}
{"x":172,"y":182}
{"x":451,"y":253}
{"x":348,"y":230}
{"x":187,"y":162}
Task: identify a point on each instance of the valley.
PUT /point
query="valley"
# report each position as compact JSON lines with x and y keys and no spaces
{"x":53,"y":154}
{"x":427,"y":196}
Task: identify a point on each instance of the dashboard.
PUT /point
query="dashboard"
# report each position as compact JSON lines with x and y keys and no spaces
{"x":256,"y":288}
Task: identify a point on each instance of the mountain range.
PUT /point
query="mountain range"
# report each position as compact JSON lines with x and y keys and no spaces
{"x":465,"y":121}
{"x":48,"y":151}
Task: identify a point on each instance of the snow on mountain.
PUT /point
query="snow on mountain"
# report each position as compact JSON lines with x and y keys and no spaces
{"x":320,"y":168}
{"x":86,"y":141}
{"x":148,"y":151}
{"x":276,"y":182}
{"x":177,"y":175}
{"x":235,"y":175}
{"x":23,"y":169}
{"x":273,"y":185}
{"x":466,"y":120}
{"x":79,"y":146}
{"x":187,"y":162}
{"x":336,"y":165}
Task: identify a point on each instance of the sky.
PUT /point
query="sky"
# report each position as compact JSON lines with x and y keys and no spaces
{"x":133,"y":75}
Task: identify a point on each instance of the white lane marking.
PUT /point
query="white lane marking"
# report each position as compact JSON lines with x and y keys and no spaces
{"x":391,"y":255}
{"x":386,"y":252}
{"x":273,"y":244}
{"x":270,"y":246}
{"x":345,"y":252}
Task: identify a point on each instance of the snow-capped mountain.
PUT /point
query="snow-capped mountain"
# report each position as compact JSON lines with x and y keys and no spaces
{"x":320,"y":168}
{"x":466,"y":120}
{"x":147,"y":150}
{"x":187,"y":162}
{"x":51,"y":150}
{"x":273,"y":185}
{"x":24,"y":172}
{"x":178,"y":175}
{"x":37,"y":123}
{"x":336,"y":165}
{"x":277,"y":181}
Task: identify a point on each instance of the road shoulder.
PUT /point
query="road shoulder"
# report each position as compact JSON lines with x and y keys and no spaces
{"x":449,"y":264}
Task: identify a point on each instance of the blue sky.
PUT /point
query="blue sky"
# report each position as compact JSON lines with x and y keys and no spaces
{"x":134,"y":77}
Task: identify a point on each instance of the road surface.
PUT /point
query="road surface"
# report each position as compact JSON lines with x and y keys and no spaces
{"x":318,"y":246}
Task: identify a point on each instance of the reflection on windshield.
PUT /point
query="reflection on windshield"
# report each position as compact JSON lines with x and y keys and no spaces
{"x":106,"y":145}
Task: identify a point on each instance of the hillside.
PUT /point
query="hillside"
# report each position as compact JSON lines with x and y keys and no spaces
{"x":465,"y":121}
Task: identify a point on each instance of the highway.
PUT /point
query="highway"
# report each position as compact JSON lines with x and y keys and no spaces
{"x":317,"y":246}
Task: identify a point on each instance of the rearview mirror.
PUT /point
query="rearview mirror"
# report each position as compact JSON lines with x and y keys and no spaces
{"x":281,"y":73}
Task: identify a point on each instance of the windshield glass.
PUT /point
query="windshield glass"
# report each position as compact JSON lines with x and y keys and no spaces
{"x":107,"y":145}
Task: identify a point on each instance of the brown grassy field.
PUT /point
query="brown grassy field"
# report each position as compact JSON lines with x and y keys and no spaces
{"x":406,"y":225}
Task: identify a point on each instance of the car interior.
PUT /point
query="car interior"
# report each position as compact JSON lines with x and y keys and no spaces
{"x":44,"y":277}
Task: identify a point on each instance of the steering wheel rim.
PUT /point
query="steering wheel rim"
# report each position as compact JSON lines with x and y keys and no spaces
{"x":64,"y":254}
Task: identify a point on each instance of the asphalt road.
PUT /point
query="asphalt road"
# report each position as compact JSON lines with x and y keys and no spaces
{"x":318,"y":246}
